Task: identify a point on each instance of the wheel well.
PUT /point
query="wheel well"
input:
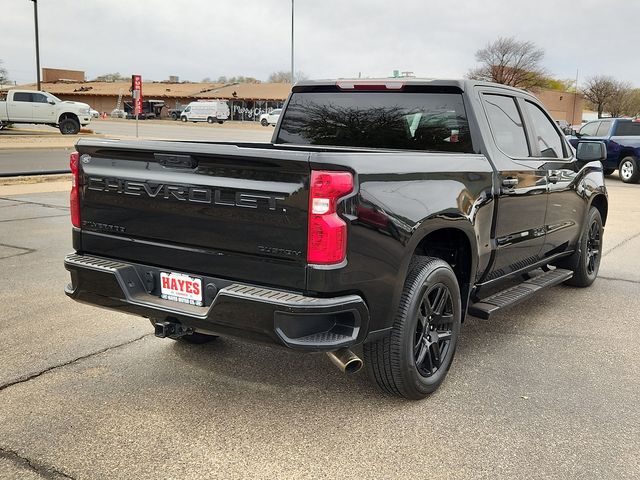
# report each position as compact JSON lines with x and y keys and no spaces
{"x":72,"y":116}
{"x":452,"y":246}
{"x":601,"y":203}
{"x":624,"y":153}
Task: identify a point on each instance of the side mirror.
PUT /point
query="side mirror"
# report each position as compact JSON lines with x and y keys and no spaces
{"x":588,"y":151}
{"x":51,"y":102}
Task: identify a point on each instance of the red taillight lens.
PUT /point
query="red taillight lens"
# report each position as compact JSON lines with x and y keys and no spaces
{"x":74,"y":199}
{"x":327,"y":241}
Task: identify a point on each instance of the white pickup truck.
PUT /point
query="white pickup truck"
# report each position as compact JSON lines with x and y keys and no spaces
{"x":28,"y":106}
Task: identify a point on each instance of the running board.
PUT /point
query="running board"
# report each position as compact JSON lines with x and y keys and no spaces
{"x":514,"y":295}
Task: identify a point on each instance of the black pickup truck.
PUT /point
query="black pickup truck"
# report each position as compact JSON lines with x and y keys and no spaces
{"x":380,"y":215}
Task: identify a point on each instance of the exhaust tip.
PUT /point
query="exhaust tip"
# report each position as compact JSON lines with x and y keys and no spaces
{"x":346,"y":360}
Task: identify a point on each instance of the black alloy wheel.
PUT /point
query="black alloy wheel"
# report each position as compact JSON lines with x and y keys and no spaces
{"x":594,"y":247}
{"x":585,"y":262}
{"x":414,"y":358}
{"x":434,"y":330}
{"x":69,"y":126}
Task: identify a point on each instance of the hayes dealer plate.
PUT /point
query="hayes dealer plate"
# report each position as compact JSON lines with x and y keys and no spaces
{"x":181,"y":288}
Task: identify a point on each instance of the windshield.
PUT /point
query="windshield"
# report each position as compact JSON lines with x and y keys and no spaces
{"x":53,"y":97}
{"x":395,"y":120}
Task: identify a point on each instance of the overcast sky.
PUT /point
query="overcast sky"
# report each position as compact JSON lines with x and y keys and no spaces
{"x":334,"y":38}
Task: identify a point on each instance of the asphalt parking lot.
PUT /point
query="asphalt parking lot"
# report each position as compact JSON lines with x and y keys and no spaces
{"x":548,"y":389}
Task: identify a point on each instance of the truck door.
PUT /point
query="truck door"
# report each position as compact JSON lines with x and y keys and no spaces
{"x":518,"y":230}
{"x":565,"y":207}
{"x":19,"y":107}
{"x":42,"y":110}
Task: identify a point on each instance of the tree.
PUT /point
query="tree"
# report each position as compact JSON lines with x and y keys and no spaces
{"x":282,"y":76}
{"x":599,"y":90}
{"x":3,"y":74}
{"x":620,"y":101}
{"x":566,"y":85}
{"x":111,"y":77}
{"x":238,"y":79}
{"x":510,"y":62}
{"x":633,"y":105}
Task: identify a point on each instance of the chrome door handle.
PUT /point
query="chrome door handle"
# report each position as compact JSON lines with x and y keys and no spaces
{"x":510,"y":182}
{"x":553,"y":176}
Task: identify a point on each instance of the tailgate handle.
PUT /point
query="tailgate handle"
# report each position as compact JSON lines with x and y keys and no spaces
{"x":175,"y":161}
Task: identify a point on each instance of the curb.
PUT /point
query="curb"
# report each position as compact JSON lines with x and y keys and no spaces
{"x":30,"y":179}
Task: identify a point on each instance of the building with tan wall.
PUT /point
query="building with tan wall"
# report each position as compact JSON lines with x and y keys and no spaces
{"x":562,"y":105}
{"x":57,"y":74}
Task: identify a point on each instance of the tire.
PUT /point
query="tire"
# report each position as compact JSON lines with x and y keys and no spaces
{"x":210,"y":120}
{"x":174,"y":116}
{"x":585,"y":263}
{"x":629,"y":170}
{"x":407,"y":362}
{"x":608,"y":171}
{"x":264,"y":122}
{"x":69,"y":126}
{"x":220,"y":122}
{"x":183,"y":119}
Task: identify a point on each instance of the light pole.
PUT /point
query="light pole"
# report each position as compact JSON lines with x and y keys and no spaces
{"x":292,"y":74}
{"x":35,"y":17}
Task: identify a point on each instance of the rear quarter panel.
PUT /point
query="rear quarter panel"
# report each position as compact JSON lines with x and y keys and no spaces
{"x":401,"y":197}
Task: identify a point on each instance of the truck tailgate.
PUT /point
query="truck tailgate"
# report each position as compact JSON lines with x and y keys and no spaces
{"x":217,"y":209}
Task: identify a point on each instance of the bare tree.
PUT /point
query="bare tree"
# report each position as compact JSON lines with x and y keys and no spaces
{"x":620,"y":102}
{"x":600,"y":90}
{"x":111,"y":77}
{"x":283,"y":76}
{"x":633,"y":106}
{"x":510,"y":62}
{"x":3,"y":74}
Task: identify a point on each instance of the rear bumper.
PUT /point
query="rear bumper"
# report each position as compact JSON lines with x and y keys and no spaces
{"x":251,"y":312}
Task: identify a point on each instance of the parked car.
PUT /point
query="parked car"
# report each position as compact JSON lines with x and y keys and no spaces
{"x":270,"y":118}
{"x":383,"y":212}
{"x":116,"y":113}
{"x":28,"y":106}
{"x":210,"y":111}
{"x":150,"y":109}
{"x":622,"y":138}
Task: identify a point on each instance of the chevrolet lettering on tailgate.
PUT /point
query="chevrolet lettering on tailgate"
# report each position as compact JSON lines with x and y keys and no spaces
{"x":185,"y":193}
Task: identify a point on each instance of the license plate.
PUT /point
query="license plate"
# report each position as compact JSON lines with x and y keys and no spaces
{"x":181,"y":288}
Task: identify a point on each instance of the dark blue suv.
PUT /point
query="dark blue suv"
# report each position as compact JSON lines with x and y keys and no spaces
{"x":622,"y":137}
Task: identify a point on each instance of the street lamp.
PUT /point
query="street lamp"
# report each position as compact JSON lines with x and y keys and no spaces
{"x":292,"y":74}
{"x":35,"y":17}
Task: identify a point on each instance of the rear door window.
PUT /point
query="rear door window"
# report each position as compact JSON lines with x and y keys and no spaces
{"x":506,"y":125}
{"x":395,"y":120}
{"x":547,"y":137}
{"x":628,"y":129}
{"x":22,"y":97}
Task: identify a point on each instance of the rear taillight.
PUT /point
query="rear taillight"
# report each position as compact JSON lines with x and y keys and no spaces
{"x":327,"y":242}
{"x":74,"y":200}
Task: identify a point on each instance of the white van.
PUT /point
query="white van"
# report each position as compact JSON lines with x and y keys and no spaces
{"x":206,"y":111}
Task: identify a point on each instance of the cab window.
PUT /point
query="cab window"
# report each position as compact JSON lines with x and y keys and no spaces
{"x":506,"y":125}
{"x":590,"y":129}
{"x":22,"y":97}
{"x":603,"y":129}
{"x":547,"y":137}
{"x":39,"y":98}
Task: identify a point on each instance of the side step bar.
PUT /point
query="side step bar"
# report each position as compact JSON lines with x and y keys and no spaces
{"x":516,"y":294}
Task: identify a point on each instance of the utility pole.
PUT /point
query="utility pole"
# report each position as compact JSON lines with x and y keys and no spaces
{"x":292,"y":74}
{"x":575,"y":96}
{"x":35,"y":17}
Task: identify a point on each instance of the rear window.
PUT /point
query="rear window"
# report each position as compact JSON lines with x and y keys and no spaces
{"x":627,"y":129}
{"x":396,"y":120}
